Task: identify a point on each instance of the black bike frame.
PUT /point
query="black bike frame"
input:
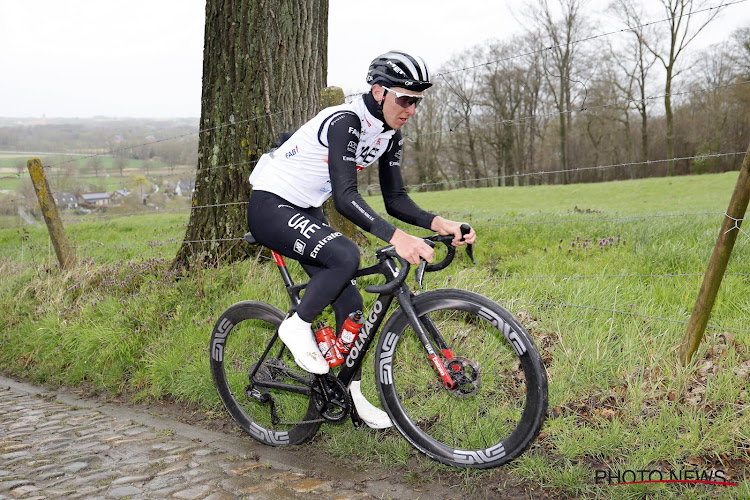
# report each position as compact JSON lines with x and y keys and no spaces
{"x":423,"y":327}
{"x":353,"y":360}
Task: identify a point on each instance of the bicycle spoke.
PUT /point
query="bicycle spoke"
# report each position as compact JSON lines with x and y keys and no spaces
{"x":274,"y":406}
{"x":479,"y":421}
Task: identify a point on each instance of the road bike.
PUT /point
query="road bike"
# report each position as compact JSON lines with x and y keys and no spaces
{"x":458,"y":375}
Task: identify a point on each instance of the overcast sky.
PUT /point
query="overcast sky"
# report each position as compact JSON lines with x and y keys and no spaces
{"x":143,"y":58}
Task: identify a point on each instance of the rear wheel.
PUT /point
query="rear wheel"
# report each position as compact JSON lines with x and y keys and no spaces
{"x":499,"y":401}
{"x":273,"y":416}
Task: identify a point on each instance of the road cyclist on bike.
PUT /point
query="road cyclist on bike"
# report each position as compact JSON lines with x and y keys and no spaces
{"x":320,"y":160}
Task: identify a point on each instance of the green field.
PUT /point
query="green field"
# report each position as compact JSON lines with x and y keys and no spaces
{"x":72,"y":171}
{"x":604,"y":276}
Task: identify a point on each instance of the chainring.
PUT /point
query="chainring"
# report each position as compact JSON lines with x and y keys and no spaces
{"x":331,"y":398}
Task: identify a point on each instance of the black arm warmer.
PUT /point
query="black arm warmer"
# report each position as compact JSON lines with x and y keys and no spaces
{"x":342,"y":146}
{"x":342,"y":167}
{"x":397,"y":201}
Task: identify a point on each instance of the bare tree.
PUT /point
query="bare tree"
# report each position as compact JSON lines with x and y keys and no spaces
{"x":635,"y":62}
{"x":560,"y":60}
{"x":120,"y":162}
{"x":711,"y":103}
{"x":464,"y":84}
{"x":425,"y":139}
{"x":740,"y":54}
{"x":682,"y":27}
{"x":95,"y":163}
{"x":504,"y":91}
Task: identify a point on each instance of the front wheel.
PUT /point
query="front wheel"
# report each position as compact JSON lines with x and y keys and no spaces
{"x":268,"y":396}
{"x":499,"y":401}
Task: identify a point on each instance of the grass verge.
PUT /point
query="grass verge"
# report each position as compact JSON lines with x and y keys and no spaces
{"x":604,"y":276}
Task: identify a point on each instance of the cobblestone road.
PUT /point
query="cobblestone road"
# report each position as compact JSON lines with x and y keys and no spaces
{"x":56,"y":446}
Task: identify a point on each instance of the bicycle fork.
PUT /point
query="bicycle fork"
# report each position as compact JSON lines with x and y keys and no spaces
{"x":420,"y":327}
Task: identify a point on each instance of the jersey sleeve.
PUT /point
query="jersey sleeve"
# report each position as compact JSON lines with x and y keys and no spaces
{"x":343,"y":139}
{"x":397,"y":201}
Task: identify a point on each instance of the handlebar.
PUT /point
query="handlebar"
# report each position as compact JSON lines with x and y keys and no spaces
{"x":387,"y":255}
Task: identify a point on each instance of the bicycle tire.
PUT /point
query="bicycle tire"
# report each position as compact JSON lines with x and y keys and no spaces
{"x":489,"y":422}
{"x":238,"y":340}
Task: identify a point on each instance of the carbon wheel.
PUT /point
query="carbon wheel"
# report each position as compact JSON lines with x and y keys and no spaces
{"x":499,"y":401}
{"x":273,"y":416}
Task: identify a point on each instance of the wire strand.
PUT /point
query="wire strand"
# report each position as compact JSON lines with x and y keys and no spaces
{"x":634,"y":314}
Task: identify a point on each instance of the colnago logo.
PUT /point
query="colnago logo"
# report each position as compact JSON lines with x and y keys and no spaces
{"x":470,"y":457}
{"x":510,"y":334}
{"x":217,"y":346}
{"x":364,"y":333}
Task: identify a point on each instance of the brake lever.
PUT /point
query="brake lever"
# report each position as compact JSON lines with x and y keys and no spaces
{"x":466,"y":229}
{"x":419,"y":272}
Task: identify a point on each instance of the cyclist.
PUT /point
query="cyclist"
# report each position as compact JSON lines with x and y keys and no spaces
{"x":321,"y":159}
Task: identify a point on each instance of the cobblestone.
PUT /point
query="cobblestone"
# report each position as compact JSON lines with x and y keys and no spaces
{"x":55,"y":449}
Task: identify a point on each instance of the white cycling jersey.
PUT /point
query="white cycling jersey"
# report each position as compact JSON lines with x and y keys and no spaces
{"x":298,"y":170}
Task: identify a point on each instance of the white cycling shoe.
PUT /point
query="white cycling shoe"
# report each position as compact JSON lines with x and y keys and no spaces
{"x":374,"y":417}
{"x":297,"y":335}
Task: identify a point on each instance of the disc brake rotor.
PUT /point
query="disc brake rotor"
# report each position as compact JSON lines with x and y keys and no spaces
{"x":465,"y":375}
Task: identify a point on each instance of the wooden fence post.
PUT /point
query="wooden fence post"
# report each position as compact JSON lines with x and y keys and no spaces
{"x":49,"y":210}
{"x":718,"y":264}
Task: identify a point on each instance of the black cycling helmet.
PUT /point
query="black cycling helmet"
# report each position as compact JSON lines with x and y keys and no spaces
{"x":399,"y":69}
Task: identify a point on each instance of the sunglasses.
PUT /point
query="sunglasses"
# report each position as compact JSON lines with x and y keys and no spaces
{"x":405,"y":100}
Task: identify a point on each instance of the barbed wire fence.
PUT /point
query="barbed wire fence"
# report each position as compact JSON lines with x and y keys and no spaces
{"x":457,"y":183}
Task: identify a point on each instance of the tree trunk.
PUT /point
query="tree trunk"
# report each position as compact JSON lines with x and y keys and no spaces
{"x":264,"y":64}
{"x":670,"y":123}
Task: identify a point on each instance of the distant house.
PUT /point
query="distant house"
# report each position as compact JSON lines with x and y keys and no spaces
{"x":169,"y":188}
{"x":185,"y":188}
{"x":65,"y":201}
{"x":95,"y":199}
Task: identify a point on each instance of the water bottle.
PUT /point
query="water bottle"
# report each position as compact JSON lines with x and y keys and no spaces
{"x":349,"y":332}
{"x":327,"y":344}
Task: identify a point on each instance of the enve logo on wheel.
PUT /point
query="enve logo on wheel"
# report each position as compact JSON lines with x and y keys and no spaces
{"x":217,"y":347}
{"x":509,"y":333}
{"x":469,"y":457}
{"x":386,"y":358}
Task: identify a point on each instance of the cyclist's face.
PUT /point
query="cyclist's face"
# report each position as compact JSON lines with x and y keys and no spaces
{"x":395,"y":114}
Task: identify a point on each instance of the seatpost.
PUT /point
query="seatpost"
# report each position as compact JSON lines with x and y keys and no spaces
{"x":288,"y":282}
